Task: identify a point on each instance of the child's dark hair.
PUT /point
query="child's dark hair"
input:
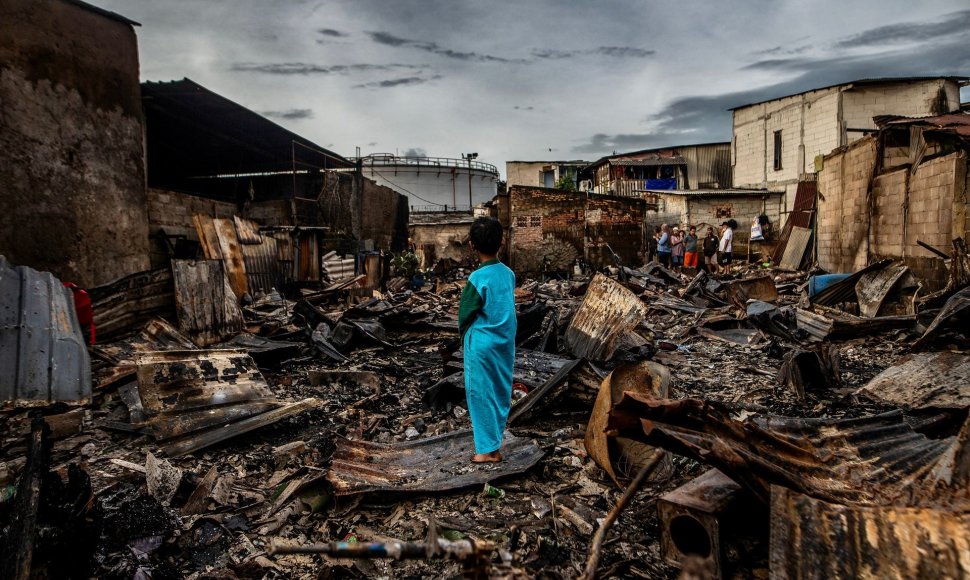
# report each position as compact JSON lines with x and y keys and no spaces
{"x":486,"y":235}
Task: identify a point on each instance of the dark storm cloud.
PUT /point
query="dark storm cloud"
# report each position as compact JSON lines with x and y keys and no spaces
{"x":401,"y":82}
{"x":702,"y":118}
{"x":603,"y":144}
{"x":415,"y":152}
{"x":612,"y":51}
{"x":289,"y":114}
{"x":389,"y":39}
{"x":303,"y":68}
{"x":950,"y":24}
{"x":332,"y":33}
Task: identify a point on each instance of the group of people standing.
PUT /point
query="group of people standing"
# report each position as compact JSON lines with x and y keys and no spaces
{"x":679,"y":248}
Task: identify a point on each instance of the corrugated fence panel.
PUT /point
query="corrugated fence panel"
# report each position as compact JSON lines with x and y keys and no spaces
{"x":43,"y":356}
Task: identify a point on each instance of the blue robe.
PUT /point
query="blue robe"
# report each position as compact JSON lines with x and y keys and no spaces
{"x":487,"y":322}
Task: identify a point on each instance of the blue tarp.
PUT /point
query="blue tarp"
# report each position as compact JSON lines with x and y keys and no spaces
{"x":660,"y":183}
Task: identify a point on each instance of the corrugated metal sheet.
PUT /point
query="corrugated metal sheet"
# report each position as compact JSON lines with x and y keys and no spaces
{"x":437,"y":463}
{"x":608,"y":310}
{"x":262,"y":265}
{"x":247,"y":231}
{"x":43,"y":357}
{"x":708,"y":165}
{"x":869,"y":461}
{"x":205,"y":304}
{"x":124,"y":306}
{"x":812,"y":539}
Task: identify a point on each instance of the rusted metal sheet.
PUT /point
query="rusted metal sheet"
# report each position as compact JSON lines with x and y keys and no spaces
{"x":834,"y":325}
{"x":232,"y":255}
{"x":608,"y":311}
{"x":887,"y":292}
{"x":43,"y":356}
{"x":955,"y":312}
{"x":873,"y":460}
{"x":811,"y":538}
{"x":205,"y":228}
{"x":124,"y":306}
{"x":760,"y":288}
{"x":931,"y":379}
{"x":262,"y":266}
{"x":155,"y":336}
{"x":180,"y":380}
{"x":694,"y":516}
{"x":438,"y":463}
{"x":247,"y":231}
{"x":621,"y":457}
{"x":205,"y":304}
{"x":794,"y":254}
{"x":193,"y":399}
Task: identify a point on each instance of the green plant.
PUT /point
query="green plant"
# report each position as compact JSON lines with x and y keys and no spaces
{"x":566,"y":183}
{"x":405,"y":264}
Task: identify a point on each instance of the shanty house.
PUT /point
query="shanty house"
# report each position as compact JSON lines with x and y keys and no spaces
{"x":880,"y":196}
{"x":776,"y":142}
{"x":543,"y":173}
{"x":682,"y":167}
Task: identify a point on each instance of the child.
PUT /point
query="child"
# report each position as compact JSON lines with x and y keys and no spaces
{"x":486,"y":320}
{"x":690,"y":249}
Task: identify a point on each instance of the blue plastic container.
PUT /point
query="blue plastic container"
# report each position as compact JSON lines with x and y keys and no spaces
{"x":818,"y":283}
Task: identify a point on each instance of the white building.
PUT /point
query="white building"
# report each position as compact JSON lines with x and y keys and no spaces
{"x":776,"y":142}
{"x":434,"y":183}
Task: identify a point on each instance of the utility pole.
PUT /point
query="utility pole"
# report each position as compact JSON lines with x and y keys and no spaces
{"x":469,"y":157}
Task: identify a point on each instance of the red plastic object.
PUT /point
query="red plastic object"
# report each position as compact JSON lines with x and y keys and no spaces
{"x":82,"y":305}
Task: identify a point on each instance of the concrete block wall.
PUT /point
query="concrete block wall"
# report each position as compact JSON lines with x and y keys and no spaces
{"x":172,"y":212}
{"x":843,"y":214}
{"x":910,"y":98}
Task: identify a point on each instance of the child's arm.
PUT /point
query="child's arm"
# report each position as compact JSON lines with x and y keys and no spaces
{"x":471,"y":303}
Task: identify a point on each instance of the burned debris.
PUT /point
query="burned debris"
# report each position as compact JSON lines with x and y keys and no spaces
{"x":237,"y":354}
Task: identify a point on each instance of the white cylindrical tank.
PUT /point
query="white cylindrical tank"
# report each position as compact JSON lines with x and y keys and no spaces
{"x":434,"y":183}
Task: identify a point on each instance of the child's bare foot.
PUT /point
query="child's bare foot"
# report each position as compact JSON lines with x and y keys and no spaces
{"x":493,"y":457}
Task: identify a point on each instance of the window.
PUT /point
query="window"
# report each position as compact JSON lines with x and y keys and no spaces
{"x":778,"y":150}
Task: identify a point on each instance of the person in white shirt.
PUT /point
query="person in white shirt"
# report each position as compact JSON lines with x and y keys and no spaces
{"x":726,"y":247}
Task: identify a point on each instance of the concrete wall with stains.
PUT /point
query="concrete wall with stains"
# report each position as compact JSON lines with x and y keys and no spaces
{"x":587,"y":223}
{"x":929,"y":204}
{"x":816,"y":122}
{"x":72,"y":164}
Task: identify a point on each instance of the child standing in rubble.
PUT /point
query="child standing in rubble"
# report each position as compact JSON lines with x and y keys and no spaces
{"x":486,"y":320}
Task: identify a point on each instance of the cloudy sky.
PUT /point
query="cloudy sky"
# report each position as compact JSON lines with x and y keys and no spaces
{"x":537,"y":79}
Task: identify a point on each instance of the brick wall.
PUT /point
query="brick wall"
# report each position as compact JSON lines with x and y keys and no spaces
{"x":587,"y":223}
{"x":862,"y":103}
{"x":842,"y":212}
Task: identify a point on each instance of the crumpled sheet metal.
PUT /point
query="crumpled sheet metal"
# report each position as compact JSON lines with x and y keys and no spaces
{"x":438,"y":463}
{"x":608,"y":311}
{"x":870,"y":461}
{"x":813,"y":539}
{"x":43,"y":357}
{"x":924,"y":380}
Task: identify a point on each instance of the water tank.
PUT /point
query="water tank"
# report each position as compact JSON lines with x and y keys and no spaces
{"x":434,"y":183}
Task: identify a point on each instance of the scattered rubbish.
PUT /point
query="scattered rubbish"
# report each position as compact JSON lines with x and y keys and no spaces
{"x":808,"y":370}
{"x":207,"y":309}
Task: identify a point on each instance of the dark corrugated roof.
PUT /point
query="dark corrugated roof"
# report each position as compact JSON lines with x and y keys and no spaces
{"x":957,"y":122}
{"x":653,"y":150}
{"x":859,"y":82}
{"x":193,"y":132}
{"x":102,"y":12}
